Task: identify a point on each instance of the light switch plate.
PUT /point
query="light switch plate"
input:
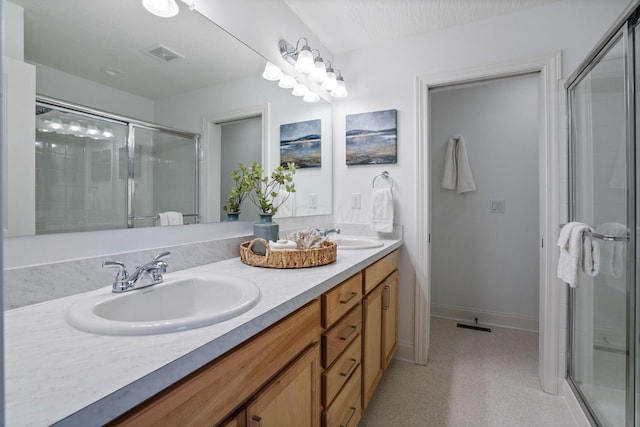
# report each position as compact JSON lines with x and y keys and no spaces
{"x":355,"y":200}
{"x":496,"y":206}
{"x":313,"y":200}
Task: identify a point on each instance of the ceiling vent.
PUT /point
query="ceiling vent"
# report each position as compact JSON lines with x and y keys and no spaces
{"x":163,"y":53}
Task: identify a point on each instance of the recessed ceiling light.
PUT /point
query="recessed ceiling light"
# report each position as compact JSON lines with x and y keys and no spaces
{"x":112,"y":71}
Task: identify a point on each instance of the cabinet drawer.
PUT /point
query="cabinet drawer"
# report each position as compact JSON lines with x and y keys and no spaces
{"x":345,"y":410}
{"x":339,"y":373}
{"x":339,"y":300}
{"x":377,"y":271}
{"x":341,"y":335}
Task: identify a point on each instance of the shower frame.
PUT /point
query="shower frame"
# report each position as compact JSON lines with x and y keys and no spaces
{"x":133,"y":124}
{"x":623,"y":29}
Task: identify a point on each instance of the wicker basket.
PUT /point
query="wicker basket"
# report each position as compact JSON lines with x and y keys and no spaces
{"x":300,"y":258}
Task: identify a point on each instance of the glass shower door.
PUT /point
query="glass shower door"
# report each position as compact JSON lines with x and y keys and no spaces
{"x":164,"y":176}
{"x":599,"y":366}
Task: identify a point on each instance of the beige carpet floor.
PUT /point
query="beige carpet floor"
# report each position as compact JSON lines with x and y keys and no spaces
{"x":473,"y":378}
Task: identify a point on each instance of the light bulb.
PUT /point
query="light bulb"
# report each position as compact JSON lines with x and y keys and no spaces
{"x":330,"y":83}
{"x":272,"y":72}
{"x":161,"y":8}
{"x":287,"y":82}
{"x":304,"y":63}
{"x":299,"y":90}
{"x":311,"y":97}
{"x":107,"y":133}
{"x":340,"y":91}
{"x":74,"y":126}
{"x":319,"y":73}
{"x":92,"y":130}
{"x":55,"y":124}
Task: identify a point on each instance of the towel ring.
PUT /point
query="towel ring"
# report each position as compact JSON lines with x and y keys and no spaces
{"x":384,"y":175}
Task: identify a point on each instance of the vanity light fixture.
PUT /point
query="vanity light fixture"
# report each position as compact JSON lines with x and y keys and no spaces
{"x":318,"y":70}
{"x":165,"y":8}
{"x":340,"y":90}
{"x":287,"y":82}
{"x":311,"y":97}
{"x":272,"y":72}
{"x":107,"y":133}
{"x":92,"y":130}
{"x":55,"y":124}
{"x":299,"y":90}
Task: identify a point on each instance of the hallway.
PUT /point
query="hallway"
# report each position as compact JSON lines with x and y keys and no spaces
{"x":473,"y":379}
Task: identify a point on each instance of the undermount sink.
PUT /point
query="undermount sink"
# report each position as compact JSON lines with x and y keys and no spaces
{"x":179,"y":303}
{"x":353,"y":242}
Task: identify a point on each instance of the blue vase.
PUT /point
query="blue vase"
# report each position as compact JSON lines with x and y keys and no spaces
{"x":266,"y":229}
{"x":232,"y":216}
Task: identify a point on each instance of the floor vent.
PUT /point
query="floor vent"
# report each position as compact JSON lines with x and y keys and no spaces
{"x":474,"y":327}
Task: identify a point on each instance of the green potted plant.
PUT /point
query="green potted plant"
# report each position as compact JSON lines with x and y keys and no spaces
{"x":266,"y":195}
{"x":243,"y":182}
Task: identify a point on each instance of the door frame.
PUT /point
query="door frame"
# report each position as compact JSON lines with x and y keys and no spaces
{"x":211,"y":152}
{"x":552,"y":344}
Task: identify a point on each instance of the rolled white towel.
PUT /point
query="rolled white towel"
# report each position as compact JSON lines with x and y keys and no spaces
{"x":163,"y":219}
{"x":175,"y":218}
{"x":571,"y":252}
{"x":283,"y":245}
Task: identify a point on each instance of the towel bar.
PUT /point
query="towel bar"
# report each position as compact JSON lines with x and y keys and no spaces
{"x":384,"y":175}
{"x":605,"y":237}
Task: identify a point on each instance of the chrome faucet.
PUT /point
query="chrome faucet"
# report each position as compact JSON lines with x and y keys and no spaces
{"x":326,"y":232}
{"x":147,"y":275}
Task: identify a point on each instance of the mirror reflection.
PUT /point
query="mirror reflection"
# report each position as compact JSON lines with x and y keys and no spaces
{"x":183,"y":73}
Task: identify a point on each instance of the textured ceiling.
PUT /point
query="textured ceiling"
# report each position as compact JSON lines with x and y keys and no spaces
{"x":344,"y":25}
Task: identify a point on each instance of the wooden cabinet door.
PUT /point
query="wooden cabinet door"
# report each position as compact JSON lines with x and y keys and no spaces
{"x":292,"y":399}
{"x":390,"y":317}
{"x":238,"y":420}
{"x":372,"y":344}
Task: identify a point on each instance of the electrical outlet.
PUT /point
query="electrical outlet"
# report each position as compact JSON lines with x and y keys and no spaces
{"x":313,"y":200}
{"x":355,"y":200}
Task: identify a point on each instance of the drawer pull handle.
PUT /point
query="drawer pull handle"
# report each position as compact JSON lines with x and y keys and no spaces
{"x":353,"y":412}
{"x":352,"y":296}
{"x":257,"y":419}
{"x":387,"y":297}
{"x":350,"y":369}
{"x":352,"y":329}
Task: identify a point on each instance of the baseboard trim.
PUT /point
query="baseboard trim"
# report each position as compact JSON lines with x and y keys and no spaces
{"x":574,"y":406}
{"x":405,"y":352}
{"x":485,"y":317}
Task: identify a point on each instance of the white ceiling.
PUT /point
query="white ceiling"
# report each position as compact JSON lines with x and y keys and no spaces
{"x":345,"y":25}
{"x":85,"y":37}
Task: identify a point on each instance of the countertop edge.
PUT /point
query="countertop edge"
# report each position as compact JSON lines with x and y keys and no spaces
{"x":119,"y":402}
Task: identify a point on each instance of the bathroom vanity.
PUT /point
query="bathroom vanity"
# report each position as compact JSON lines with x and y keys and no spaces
{"x":318,"y":341}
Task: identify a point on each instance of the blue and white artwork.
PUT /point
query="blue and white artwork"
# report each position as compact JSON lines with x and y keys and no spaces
{"x":301,"y":143}
{"x":372,"y":138}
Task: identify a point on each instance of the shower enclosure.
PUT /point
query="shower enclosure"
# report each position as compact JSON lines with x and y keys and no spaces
{"x":97,"y":171}
{"x":603,"y":320}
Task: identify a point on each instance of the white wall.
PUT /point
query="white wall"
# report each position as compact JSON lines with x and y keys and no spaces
{"x":74,"y":89}
{"x":486,"y":263}
{"x":384,"y":77}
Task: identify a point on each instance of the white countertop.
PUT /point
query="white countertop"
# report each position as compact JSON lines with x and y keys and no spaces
{"x":57,"y":374}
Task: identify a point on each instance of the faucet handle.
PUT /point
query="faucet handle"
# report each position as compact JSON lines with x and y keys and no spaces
{"x":121,"y":275}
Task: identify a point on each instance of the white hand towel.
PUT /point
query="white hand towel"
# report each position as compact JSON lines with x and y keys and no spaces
{"x":382,"y":213}
{"x":457,"y":173}
{"x":175,"y":218}
{"x":283,"y":245}
{"x":465,"y":180}
{"x":449,"y":176}
{"x":164,"y":219}
{"x":571,"y":251}
{"x":613,"y":255}
{"x":288,"y":208}
{"x":591,"y":256}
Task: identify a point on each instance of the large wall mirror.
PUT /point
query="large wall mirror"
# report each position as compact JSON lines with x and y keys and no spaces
{"x":183,"y":73}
